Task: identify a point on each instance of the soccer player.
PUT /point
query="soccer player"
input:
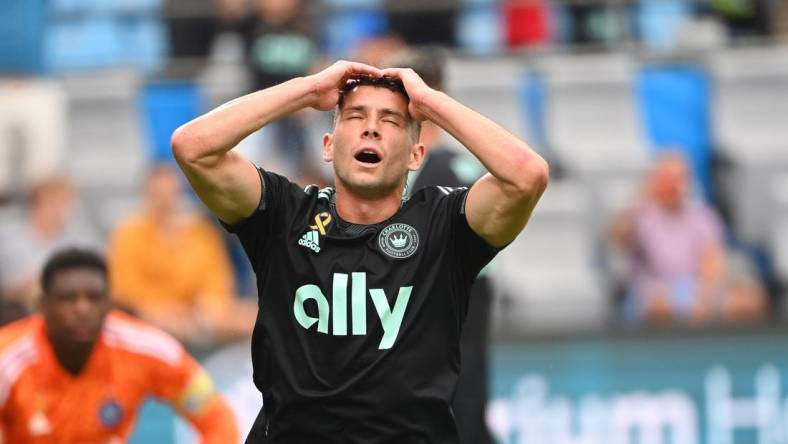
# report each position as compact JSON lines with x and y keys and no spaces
{"x":362,"y":294}
{"x":79,"y":371}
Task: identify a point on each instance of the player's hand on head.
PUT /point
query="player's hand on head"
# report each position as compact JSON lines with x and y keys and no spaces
{"x":414,"y":86}
{"x":329,"y":81}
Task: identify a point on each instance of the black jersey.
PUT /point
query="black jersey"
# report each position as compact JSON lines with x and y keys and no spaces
{"x":357,"y":337}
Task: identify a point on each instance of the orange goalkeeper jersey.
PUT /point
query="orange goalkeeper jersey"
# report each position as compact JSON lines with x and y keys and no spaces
{"x":40,"y":402}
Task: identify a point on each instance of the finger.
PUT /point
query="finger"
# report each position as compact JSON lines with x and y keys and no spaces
{"x":356,"y":68}
{"x":393,"y":72}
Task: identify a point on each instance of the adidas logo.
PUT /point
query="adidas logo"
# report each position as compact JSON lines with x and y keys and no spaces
{"x":310,"y":240}
{"x":398,"y":242}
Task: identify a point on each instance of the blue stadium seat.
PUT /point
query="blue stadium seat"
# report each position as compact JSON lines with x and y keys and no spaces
{"x":658,"y":21}
{"x":345,"y":29}
{"x":103,"y":8}
{"x":166,"y":106}
{"x":144,"y":42}
{"x":60,"y":8}
{"x":533,"y":95}
{"x":675,"y":103}
{"x":561,"y":21}
{"x":21,"y":29}
{"x":480,"y":29}
{"x":128,"y":7}
{"x":82,"y":44}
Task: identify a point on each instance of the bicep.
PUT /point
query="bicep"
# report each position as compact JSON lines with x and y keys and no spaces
{"x":497,"y":214}
{"x":229,"y":185}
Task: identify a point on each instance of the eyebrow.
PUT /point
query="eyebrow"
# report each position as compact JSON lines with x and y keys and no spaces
{"x":392,"y":112}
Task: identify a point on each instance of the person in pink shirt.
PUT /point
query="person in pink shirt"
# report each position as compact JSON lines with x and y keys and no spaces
{"x":678,"y":267}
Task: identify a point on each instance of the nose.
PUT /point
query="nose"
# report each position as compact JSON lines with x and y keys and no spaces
{"x":82,"y":306}
{"x":371,"y":133}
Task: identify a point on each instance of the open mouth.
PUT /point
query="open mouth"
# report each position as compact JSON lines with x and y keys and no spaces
{"x":368,"y":156}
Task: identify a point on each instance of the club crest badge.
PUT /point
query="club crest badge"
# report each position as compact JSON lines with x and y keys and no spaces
{"x":110,"y":413}
{"x":399,"y":241}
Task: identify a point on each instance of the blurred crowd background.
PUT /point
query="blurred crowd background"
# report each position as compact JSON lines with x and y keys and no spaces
{"x":665,"y":123}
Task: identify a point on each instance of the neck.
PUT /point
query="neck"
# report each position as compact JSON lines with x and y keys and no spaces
{"x":366,"y":210}
{"x":72,"y":357}
{"x":165,"y":220}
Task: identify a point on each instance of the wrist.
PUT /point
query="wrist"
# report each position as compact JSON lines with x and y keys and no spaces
{"x":311,"y":88}
{"x":427,"y":101}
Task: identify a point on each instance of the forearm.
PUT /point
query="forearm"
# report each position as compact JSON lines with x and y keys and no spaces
{"x":216,"y":424}
{"x":506,"y":157}
{"x":218,"y":131}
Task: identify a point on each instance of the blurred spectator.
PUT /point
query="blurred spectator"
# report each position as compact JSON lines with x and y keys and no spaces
{"x":32,"y":122}
{"x":527,"y":22}
{"x":281,"y":46}
{"x":281,"y":43}
{"x":420,"y":23}
{"x":191,"y":26}
{"x":588,"y":20}
{"x":444,"y":166}
{"x":679,"y":268}
{"x":744,"y":18}
{"x":50,"y":223}
{"x":780,"y":19}
{"x":32,"y":108}
{"x":171,"y":267}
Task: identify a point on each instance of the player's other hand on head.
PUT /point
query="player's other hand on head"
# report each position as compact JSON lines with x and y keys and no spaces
{"x":414,"y":86}
{"x":329,"y":81}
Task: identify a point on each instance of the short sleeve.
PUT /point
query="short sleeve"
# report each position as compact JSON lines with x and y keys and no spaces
{"x":277,"y":205}
{"x":471,"y":252}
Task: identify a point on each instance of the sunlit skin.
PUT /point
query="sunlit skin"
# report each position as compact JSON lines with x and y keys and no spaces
{"x":74,"y":308}
{"x":376,"y":119}
{"x":497,"y":207}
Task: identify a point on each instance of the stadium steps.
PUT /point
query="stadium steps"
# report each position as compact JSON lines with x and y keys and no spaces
{"x":592,"y":124}
{"x":491,"y":86}
{"x":750,"y":112}
{"x":547,"y":277}
{"x":106,"y":146}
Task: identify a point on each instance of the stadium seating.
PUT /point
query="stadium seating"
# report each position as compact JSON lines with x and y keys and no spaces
{"x":105,"y":141}
{"x":659,"y":21}
{"x":344,"y":28}
{"x":548,"y":276}
{"x":98,"y":34}
{"x":592,"y":122}
{"x":675,"y":98}
{"x":480,"y":29}
{"x":778,"y":241}
{"x":750,"y":111}
{"x":21,"y":29}
{"x":490,"y":85}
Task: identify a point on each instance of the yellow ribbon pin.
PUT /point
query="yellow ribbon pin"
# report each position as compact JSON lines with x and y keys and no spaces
{"x":321,"y":221}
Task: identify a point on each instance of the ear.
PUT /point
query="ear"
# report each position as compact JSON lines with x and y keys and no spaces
{"x":328,"y":147}
{"x":416,"y":156}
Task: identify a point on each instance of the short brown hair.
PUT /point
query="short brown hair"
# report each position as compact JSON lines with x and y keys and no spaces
{"x":390,"y":83}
